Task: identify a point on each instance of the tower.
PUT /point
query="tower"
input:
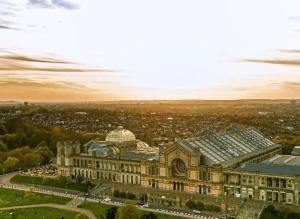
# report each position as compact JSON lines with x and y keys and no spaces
{"x":65,"y":153}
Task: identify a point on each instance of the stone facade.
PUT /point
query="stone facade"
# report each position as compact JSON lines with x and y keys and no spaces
{"x":177,"y":168}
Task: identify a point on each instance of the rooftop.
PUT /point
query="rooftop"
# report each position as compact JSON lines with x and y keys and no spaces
{"x":288,"y":160}
{"x":227,"y":146}
{"x":271,"y":169}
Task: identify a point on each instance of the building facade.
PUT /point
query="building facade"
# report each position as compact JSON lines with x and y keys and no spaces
{"x":235,"y":162}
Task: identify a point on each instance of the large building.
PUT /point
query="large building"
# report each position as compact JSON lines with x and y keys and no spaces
{"x":238,"y":162}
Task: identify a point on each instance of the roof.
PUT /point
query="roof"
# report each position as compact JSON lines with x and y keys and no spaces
{"x":120,"y":135}
{"x":128,"y":155}
{"x":270,"y":168}
{"x":284,"y":160}
{"x":97,"y":143}
{"x":231,"y":144}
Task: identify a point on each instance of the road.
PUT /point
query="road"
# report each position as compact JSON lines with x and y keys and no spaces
{"x":79,"y":198}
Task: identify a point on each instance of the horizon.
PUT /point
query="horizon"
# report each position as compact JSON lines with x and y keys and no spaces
{"x":69,"y":51}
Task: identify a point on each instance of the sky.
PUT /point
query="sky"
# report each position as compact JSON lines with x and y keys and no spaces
{"x":87,"y":50}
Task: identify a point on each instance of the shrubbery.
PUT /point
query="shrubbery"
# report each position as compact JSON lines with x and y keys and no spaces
{"x":200,"y":206}
{"x":128,"y":195}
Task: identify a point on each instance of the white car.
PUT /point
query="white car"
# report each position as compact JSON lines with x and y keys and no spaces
{"x":107,"y":199}
{"x":196,"y":211}
{"x":145,"y":205}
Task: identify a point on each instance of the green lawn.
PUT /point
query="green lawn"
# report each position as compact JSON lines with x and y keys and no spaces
{"x":280,"y":215}
{"x":101,"y":209}
{"x":34,"y":180}
{"x":38,"y":213}
{"x":11,"y":197}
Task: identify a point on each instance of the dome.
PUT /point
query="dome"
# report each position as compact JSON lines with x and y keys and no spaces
{"x":141,"y":145}
{"x":120,"y":135}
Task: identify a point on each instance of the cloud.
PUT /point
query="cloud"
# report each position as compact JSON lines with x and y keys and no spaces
{"x":7,"y":11}
{"x":279,"y":90}
{"x":50,"y":4}
{"x":295,"y":18}
{"x":8,"y":27}
{"x":289,"y":50}
{"x":65,"y":4}
{"x":14,"y":62}
{"x":291,"y":62}
{"x":24,"y":89}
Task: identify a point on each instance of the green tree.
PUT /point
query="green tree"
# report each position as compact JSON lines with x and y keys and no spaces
{"x":111,"y":213}
{"x":32,"y":160}
{"x":190,"y":204}
{"x":3,"y":146}
{"x":45,"y":152}
{"x":3,"y":130}
{"x":128,"y":211}
{"x":11,"y":163}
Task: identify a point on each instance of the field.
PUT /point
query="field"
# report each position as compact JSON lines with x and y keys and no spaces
{"x":38,"y":213}
{"x":100,"y":211}
{"x":33,"y":180}
{"x":10,"y":197}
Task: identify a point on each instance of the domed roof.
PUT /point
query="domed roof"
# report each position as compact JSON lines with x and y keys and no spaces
{"x":120,"y":135}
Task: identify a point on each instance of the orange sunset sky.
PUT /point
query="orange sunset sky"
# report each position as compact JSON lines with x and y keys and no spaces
{"x":87,"y":50}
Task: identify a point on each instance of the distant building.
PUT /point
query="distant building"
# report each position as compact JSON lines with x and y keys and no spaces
{"x":209,"y":164}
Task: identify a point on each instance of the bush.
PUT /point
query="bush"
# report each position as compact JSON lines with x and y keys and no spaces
{"x":270,"y":209}
{"x":199,"y":206}
{"x":214,"y":208}
{"x":111,"y":213}
{"x":149,"y":216}
{"x":194,"y":205}
{"x":116,"y":193}
{"x":143,"y":197}
{"x":190,"y":204}
{"x":131,"y":196}
{"x":122,"y":195}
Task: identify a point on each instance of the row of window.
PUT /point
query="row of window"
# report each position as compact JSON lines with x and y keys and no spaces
{"x":130,"y":179}
{"x":106,"y":165}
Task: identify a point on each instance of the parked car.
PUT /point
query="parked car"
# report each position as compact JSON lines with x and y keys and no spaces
{"x":140,"y":203}
{"x":107,"y":199}
{"x":196,"y":211}
{"x":146,"y":205}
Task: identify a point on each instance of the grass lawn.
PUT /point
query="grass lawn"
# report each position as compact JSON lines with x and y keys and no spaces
{"x":34,"y":180}
{"x":39,"y":213}
{"x":279,"y":215}
{"x":101,"y":209}
{"x":11,"y":197}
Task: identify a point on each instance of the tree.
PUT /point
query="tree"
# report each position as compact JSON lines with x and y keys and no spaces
{"x":190,"y":204}
{"x":3,"y":129}
{"x":3,"y":146}
{"x":116,"y":193}
{"x":79,"y":178}
{"x":11,"y":163}
{"x":151,"y":215}
{"x":45,"y":152}
{"x":111,"y":213}
{"x":270,"y":209}
{"x":128,"y":211}
{"x":32,"y":160}
{"x":130,"y":195}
